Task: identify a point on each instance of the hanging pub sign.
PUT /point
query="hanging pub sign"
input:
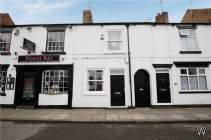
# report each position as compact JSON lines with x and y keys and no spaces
{"x":38,"y":58}
{"x":28,"y":45}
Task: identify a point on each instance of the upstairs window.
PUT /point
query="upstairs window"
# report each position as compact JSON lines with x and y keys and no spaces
{"x":193,"y":79}
{"x":114,"y":40}
{"x":55,"y":42}
{"x":188,"y":40}
{"x":95,"y":80}
{"x":5,"y":40}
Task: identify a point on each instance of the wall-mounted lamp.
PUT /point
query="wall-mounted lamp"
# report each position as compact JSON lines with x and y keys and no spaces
{"x":69,"y":26}
{"x":16,"y":33}
{"x":101,"y":37}
{"x":29,"y":28}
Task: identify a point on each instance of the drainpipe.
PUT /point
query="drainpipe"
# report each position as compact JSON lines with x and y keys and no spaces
{"x":129,"y":64}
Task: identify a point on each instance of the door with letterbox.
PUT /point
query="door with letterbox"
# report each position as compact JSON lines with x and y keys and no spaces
{"x":117,"y":90}
{"x":163,"y":88}
{"x":142,"y":89}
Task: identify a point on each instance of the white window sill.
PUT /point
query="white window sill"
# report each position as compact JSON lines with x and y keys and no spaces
{"x":194,"y":91}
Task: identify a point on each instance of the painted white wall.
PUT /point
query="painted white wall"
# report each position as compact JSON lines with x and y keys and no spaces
{"x":82,"y":97}
{"x":161,"y":44}
{"x":57,"y":99}
{"x":90,"y":52}
{"x":87,"y":40}
{"x":36,"y":34}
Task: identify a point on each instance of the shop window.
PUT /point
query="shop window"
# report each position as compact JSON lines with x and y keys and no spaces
{"x":3,"y":75}
{"x":55,"y":42}
{"x":55,"y":81}
{"x":5,"y":40}
{"x":193,"y":79}
{"x":188,"y":40}
{"x":95,"y":80}
{"x":115,"y":40}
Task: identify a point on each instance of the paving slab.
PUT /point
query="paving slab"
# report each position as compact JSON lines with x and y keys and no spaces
{"x":152,"y":117}
{"x":60,"y":116}
{"x":85,"y":118}
{"x":138,"y":117}
{"x":112,"y":117}
{"x":202,"y":115}
{"x":125,"y":117}
{"x":99,"y":117}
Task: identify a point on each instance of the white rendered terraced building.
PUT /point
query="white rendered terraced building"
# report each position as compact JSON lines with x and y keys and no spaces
{"x":105,"y":65}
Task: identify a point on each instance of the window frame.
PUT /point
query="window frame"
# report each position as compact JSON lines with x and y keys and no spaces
{"x":195,"y":75}
{"x":6,"y":32}
{"x":113,"y":40}
{"x":44,"y":77}
{"x":95,"y":92}
{"x":187,"y":37}
{"x":3,"y":70}
{"x":47,"y":41}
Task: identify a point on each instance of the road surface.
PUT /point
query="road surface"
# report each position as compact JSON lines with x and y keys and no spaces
{"x":100,"y":131}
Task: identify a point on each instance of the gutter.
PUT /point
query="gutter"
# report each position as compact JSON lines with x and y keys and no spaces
{"x":129,"y":64}
{"x":101,"y":24}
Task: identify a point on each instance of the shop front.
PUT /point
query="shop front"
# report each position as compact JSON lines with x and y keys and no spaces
{"x":50,"y":80}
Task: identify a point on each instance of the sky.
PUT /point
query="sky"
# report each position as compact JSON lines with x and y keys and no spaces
{"x":70,"y":11}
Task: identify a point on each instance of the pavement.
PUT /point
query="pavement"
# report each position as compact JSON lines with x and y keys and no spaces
{"x":137,"y":115}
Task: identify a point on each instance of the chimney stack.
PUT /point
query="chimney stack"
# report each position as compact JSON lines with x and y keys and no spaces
{"x":87,"y":17}
{"x":162,"y":17}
